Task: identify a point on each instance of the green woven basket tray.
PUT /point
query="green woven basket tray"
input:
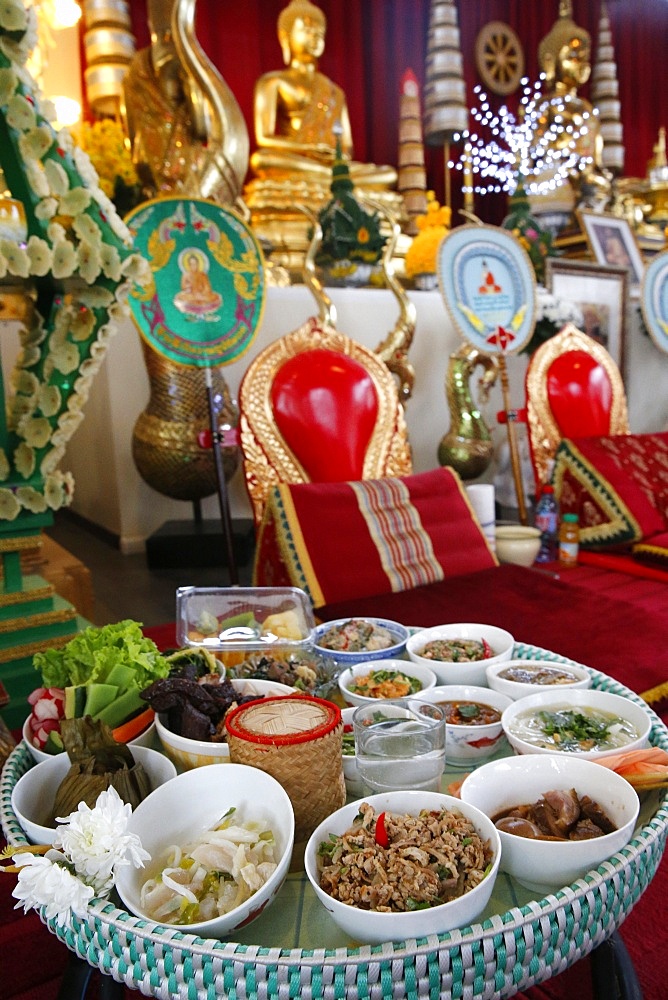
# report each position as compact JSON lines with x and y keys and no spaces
{"x":505,"y":953}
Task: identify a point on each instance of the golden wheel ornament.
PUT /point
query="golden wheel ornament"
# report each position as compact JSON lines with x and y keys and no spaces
{"x":499,"y":58}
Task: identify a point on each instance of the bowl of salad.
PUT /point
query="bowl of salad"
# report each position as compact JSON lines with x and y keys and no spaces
{"x":364,"y":683}
{"x":459,"y":653}
{"x":348,"y":641}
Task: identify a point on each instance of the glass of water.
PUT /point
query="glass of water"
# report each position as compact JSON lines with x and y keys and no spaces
{"x":400,"y":745}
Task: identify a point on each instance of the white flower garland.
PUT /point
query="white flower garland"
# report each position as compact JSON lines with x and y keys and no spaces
{"x":82,"y":244}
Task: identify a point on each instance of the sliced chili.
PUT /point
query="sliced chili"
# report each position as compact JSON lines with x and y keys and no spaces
{"x":382,"y":838}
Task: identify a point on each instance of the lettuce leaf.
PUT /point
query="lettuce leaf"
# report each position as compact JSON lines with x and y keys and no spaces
{"x":93,"y":653}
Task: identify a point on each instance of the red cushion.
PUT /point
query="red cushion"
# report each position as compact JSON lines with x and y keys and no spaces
{"x":313,"y":397}
{"x":580,"y":395}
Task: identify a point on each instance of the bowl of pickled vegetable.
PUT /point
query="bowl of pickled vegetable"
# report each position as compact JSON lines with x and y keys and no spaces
{"x":359,"y":640}
{"x":364,"y":683}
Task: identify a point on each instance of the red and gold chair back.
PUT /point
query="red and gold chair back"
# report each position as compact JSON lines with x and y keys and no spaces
{"x":316,"y":406}
{"x":573,"y":389}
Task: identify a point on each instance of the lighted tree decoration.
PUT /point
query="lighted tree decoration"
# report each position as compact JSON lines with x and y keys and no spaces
{"x":510,"y":150}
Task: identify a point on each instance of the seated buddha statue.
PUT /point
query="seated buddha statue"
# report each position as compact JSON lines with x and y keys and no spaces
{"x":564,"y":56}
{"x":298,"y":115}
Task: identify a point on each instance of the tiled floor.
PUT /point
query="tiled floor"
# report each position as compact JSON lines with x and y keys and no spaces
{"x":124,"y":585}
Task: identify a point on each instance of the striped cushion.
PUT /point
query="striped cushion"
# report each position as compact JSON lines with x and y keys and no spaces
{"x":339,"y":541}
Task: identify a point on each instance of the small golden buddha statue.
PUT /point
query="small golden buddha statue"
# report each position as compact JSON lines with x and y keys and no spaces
{"x":298,"y":115}
{"x":564,"y":56}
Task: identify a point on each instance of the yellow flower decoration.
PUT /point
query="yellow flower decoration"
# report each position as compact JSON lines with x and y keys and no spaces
{"x":37,"y":432}
{"x":31,"y":499}
{"x":432,"y":227}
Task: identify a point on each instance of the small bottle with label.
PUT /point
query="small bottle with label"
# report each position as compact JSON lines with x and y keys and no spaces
{"x":547,"y":522}
{"x":569,"y":540}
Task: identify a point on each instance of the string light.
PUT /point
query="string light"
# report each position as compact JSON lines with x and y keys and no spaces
{"x":506,"y":147}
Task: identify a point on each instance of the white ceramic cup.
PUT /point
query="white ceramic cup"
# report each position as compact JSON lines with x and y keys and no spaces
{"x":481,"y":497}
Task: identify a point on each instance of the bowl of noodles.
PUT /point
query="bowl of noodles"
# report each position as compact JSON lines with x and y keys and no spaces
{"x":220,"y":844}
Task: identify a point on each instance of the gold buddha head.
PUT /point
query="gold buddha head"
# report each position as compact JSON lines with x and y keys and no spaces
{"x":301,"y":31}
{"x":564,"y":55}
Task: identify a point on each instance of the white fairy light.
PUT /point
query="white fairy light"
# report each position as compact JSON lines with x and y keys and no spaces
{"x":517,"y":147}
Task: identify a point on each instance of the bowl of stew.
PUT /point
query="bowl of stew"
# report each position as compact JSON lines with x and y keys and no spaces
{"x":473,"y":729}
{"x":578,"y":723}
{"x":358,"y":640}
{"x":459,"y":653}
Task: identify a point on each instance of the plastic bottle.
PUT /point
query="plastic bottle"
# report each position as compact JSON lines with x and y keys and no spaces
{"x":547,"y":522}
{"x":569,"y":540}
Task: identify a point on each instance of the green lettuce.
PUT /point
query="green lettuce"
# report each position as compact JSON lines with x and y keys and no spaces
{"x":92,"y":654}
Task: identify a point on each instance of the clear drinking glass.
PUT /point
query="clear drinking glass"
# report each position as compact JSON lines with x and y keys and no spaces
{"x":400,"y":745}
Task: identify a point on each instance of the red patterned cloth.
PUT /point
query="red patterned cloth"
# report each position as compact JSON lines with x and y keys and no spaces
{"x":617,"y":485}
{"x":374,"y":536}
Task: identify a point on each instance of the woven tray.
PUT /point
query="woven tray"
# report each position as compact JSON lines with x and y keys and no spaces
{"x":508,"y":951}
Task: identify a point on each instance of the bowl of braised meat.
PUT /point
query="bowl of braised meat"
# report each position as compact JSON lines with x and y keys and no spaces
{"x":558,"y":817}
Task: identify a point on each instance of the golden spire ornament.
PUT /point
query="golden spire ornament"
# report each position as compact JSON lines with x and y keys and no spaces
{"x":412,"y":177}
{"x":605,"y":97}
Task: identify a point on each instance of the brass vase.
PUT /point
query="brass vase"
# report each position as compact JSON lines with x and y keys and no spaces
{"x":165,"y":445}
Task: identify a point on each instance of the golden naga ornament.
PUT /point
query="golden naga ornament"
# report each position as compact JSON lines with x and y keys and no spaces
{"x":467,"y":447}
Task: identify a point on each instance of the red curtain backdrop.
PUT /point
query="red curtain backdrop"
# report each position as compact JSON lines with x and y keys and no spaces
{"x":370,"y":44}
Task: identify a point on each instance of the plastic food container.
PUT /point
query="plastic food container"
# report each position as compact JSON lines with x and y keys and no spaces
{"x":240,"y":620}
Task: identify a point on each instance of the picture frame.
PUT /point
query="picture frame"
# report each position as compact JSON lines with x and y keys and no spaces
{"x":601,"y":291}
{"x":613,"y":243}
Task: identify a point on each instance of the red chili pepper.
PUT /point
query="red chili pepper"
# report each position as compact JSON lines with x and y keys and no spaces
{"x":382,"y":838}
{"x":487,"y":649}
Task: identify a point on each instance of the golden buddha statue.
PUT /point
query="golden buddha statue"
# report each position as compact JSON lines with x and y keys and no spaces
{"x":298,"y":115}
{"x":564,"y":56}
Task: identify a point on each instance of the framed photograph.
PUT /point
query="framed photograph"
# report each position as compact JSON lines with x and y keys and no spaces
{"x":601,"y":293}
{"x":613,"y":242}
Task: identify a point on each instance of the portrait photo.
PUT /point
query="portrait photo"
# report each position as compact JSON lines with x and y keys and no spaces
{"x":613,"y":243}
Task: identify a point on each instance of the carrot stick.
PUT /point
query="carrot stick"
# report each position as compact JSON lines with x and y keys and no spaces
{"x":134,"y":726}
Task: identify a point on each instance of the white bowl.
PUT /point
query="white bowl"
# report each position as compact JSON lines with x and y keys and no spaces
{"x":145,"y":739}
{"x":34,"y":793}
{"x":577,"y":699}
{"x":188,"y":753}
{"x":355,"y":787}
{"x":546,"y":865}
{"x":372,"y":926}
{"x":193,"y":803}
{"x":516,"y":543}
{"x":422,"y":674}
{"x":467,"y":746}
{"x":502,"y":643}
{"x":522,"y":689}
{"x":347,"y":659}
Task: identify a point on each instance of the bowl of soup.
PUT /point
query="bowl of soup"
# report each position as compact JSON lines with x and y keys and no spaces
{"x":521,"y":678}
{"x":473,"y":730}
{"x":580,"y":723}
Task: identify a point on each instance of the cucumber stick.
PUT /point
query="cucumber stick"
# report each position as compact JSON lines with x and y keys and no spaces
{"x":121,"y":708}
{"x":98,"y":696}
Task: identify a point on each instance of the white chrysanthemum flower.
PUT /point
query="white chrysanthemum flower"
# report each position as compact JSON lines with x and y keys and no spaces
{"x":21,"y":408}
{"x":57,"y":177}
{"x":88,"y":369}
{"x":111,"y":261}
{"x":53,"y":458}
{"x":90,"y":265}
{"x":58,"y":489}
{"x":10,"y":508}
{"x":49,"y":400}
{"x":43,"y":882}
{"x":8,"y":84}
{"x":556,"y":310}
{"x":13,"y":15}
{"x":94,"y":296}
{"x":17,"y":259}
{"x":20,"y":113}
{"x":37,"y":432}
{"x":82,"y":324}
{"x":65,"y":358}
{"x":97,"y":840}
{"x":39,"y":253}
{"x":24,"y":460}
{"x":124,"y":291}
{"x":48,"y":110}
{"x":135,"y":267}
{"x":46,"y":208}
{"x":30,"y":356}
{"x":31,"y":499}
{"x":98,"y":350}
{"x":35,"y":143}
{"x":75,"y":201}
{"x":85,"y":168}
{"x":38,"y":182}
{"x":26,"y":383}
{"x":34,"y":334}
{"x":56,"y":231}
{"x":87,"y":229}
{"x":105,"y":333}
{"x":4,"y":465}
{"x":64,"y":259}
